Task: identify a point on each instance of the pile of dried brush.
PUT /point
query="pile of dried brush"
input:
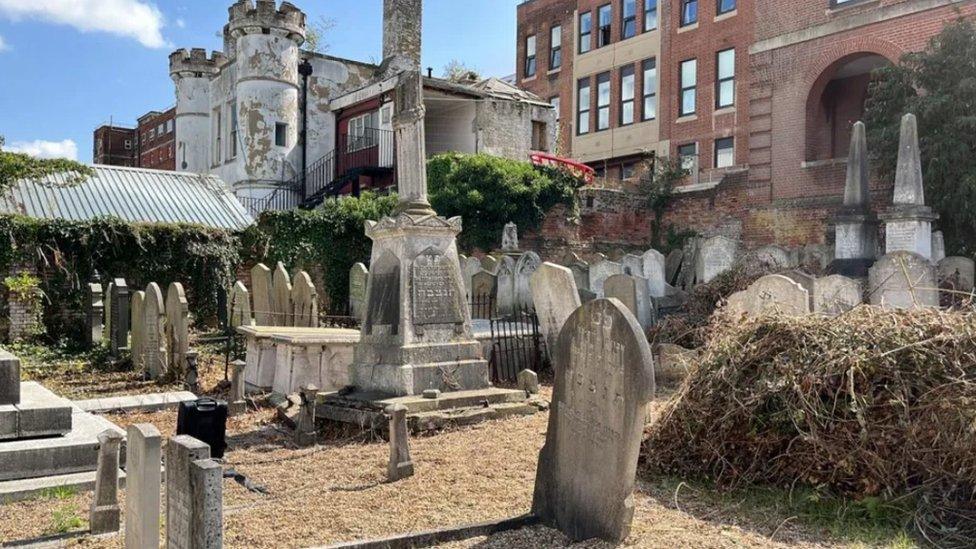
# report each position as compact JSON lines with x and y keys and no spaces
{"x":870,"y":403}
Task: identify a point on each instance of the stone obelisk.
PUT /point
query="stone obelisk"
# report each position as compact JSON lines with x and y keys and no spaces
{"x":908,"y":223}
{"x":855,"y":226}
{"x":416,"y":334}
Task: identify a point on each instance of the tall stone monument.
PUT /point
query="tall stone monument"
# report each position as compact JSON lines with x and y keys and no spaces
{"x":908,"y":223}
{"x":856,"y":227}
{"x":417,"y":331}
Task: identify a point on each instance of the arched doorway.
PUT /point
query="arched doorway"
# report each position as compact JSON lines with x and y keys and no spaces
{"x":836,"y":102}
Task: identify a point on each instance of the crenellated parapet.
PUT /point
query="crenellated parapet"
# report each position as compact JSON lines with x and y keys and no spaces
{"x":194,"y":63}
{"x":265,"y":16}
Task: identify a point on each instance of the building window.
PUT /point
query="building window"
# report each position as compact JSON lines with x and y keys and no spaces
{"x":233,"y":130}
{"x":585,"y":32}
{"x":627,"y":95}
{"x":689,"y":83}
{"x":650,"y":15}
{"x":689,"y":12}
{"x":628,"y":19}
{"x":724,"y":152}
{"x":688,"y":154}
{"x":725,"y":79}
{"x":628,"y":170}
{"x":725,"y":6}
{"x":539,"y":141}
{"x":281,"y":134}
{"x":362,"y":132}
{"x":603,"y":101}
{"x":555,"y":47}
{"x":127,"y":145}
{"x":605,"y":21}
{"x":530,"y":56}
{"x":650,"y":89}
{"x":161,"y":130}
{"x":583,"y":106}
{"x":169,"y":126}
{"x":218,"y":136}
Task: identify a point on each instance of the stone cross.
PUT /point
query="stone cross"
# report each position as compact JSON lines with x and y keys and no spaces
{"x":142,"y":480}
{"x":104,"y":516}
{"x":401,"y":466}
{"x":237,"y":404}
{"x":604,"y":379}
{"x":305,"y":424}
{"x":96,"y":310}
{"x":408,"y":124}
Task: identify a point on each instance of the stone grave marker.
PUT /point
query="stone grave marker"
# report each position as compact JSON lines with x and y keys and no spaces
{"x":96,"y":312}
{"x":816,"y":258}
{"x":505,"y":302}
{"x":604,"y":379}
{"x":400,"y":466}
{"x":654,"y":272}
{"x":908,"y":222}
{"x":528,"y":381}
{"x":105,"y":513}
{"x":358,"y":278}
{"x":281,"y":304}
{"x":107,"y":323}
{"x":903,"y":280}
{"x":632,"y":292}
{"x":490,"y":264}
{"x":137,"y":341}
{"x":938,"y":246}
{"x":154,"y":342}
{"x":305,"y":432}
{"x":672,"y":265}
{"x":772,"y":257}
{"x":470,"y":266}
{"x":206,"y":493}
{"x":305,"y":302}
{"x":177,"y":328}
{"x":9,"y":381}
{"x":524,"y":269}
{"x":716,"y":255}
{"x":484,"y":293}
{"x":435,"y":290}
{"x":237,"y":404}
{"x":120,"y":315}
{"x":556,"y":297}
{"x":855,"y":225}
{"x":633,"y":264}
{"x":383,"y":296}
{"x":261,"y":284}
{"x":600,"y":272}
{"x":687,"y":275}
{"x":959,"y":270}
{"x":183,"y":511}
{"x":836,"y":294}
{"x":142,"y":480}
{"x":803,"y":279}
{"x":240,"y":306}
{"x":581,"y":274}
{"x":510,"y":242}
{"x":776,"y":293}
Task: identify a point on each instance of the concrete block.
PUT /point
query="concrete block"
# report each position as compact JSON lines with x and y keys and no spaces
{"x":9,"y":424}
{"x":42,"y":413}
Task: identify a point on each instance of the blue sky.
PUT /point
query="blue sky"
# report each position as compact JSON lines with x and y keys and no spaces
{"x":68,"y":66}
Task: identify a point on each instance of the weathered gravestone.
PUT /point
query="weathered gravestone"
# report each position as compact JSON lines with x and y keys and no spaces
{"x":773,"y":293}
{"x":672,"y":265}
{"x":803,"y":279}
{"x":556,"y":297}
{"x":908,"y":222}
{"x":120,"y":315}
{"x":654,"y":272}
{"x":400,"y":466}
{"x":604,"y":379}
{"x":358,"y":277}
{"x":506,"y":286}
{"x":633,"y":264}
{"x":9,"y":385}
{"x":524,"y":269}
{"x":856,"y":227}
{"x":600,"y":272}
{"x":105,"y":514}
{"x":510,"y":241}
{"x":958,"y":272}
{"x":715,"y":256}
{"x":815,"y":258}
{"x":240,"y":306}
{"x":771,"y":257}
{"x":938,"y":246}
{"x":137,"y":342}
{"x":836,"y":294}
{"x":305,"y":302}
{"x":262,"y":286}
{"x":154,"y":334}
{"x":632,"y":292}
{"x":142,"y":481}
{"x":581,"y":274}
{"x":281,"y":302}
{"x":107,"y":321}
{"x":687,"y":274}
{"x":194,"y":498}
{"x":237,"y":404}
{"x":470,"y":266}
{"x":490,"y":264}
{"x":484,"y":293}
{"x":903,"y":280}
{"x":177,"y":328}
{"x":96,"y":310}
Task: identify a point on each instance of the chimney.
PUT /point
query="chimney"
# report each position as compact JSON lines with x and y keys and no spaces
{"x":402,"y":26}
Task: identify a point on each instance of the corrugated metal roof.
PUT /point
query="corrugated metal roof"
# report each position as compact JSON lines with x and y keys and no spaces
{"x":131,"y":194}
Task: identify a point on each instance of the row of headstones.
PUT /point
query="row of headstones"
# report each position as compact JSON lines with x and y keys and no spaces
{"x":194,"y":490}
{"x":275,"y":299}
{"x":900,"y":280}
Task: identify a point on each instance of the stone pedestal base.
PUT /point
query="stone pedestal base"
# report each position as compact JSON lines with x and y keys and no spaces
{"x":414,"y":379}
{"x":856,"y":237}
{"x":909,"y":229}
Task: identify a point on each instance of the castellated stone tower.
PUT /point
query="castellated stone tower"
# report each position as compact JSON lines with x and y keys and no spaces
{"x":191,"y":72}
{"x":266,"y":40}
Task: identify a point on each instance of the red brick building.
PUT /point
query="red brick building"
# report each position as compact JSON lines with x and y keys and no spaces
{"x":114,"y":145}
{"x":157,"y":140}
{"x":757,"y":96}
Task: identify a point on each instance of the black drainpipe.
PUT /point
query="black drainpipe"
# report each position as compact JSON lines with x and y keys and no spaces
{"x":305,"y":69}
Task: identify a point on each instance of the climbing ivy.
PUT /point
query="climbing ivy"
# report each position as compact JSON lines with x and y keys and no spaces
{"x":17,"y":166}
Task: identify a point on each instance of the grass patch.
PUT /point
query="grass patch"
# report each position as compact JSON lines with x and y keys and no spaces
{"x":65,"y":519}
{"x":59,"y":492}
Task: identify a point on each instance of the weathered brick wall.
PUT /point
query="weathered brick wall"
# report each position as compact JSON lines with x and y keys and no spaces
{"x":22,"y":318}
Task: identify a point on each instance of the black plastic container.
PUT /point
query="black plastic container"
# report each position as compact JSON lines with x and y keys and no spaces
{"x":205,"y":419}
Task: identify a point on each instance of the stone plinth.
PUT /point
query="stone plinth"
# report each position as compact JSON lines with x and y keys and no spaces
{"x":9,"y":379}
{"x":39,"y":413}
{"x":282,"y":359}
{"x":417,"y":330}
{"x":909,"y":229}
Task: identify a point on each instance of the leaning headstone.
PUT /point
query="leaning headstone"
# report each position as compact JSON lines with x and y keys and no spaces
{"x":524,"y":269}
{"x":305,"y":302}
{"x":262,"y":293}
{"x":672,"y":265}
{"x":632,"y":292}
{"x":240,"y":306}
{"x":510,"y":242}
{"x":803,"y":279}
{"x":401,"y":466}
{"x":142,"y":480}
{"x":96,"y":310}
{"x":581,"y":273}
{"x":556,"y":297}
{"x":528,"y":381}
{"x":281,"y":303}
{"x":908,"y":223}
{"x":177,"y":328}
{"x":715,"y":256}
{"x":484,"y":294}
{"x":771,"y":257}
{"x":938,"y":246}
{"x":903,"y":280}
{"x":604,"y":379}
{"x":836,"y":294}
{"x":154,"y":335}
{"x":105,"y":513}
{"x":653,"y":263}
{"x":959,"y":271}
{"x":237,"y":404}
{"x":633,"y":264}
{"x":183,"y":510}
{"x":137,"y":342}
{"x":856,"y":227}
{"x":490,"y":264}
{"x":120,"y":315}
{"x":305,"y":432}
{"x":775,"y":293}
{"x":358,"y":277}
{"x":600,"y":272}
{"x":506,"y":286}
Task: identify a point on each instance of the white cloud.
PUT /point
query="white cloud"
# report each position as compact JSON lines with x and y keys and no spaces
{"x":181,"y":23}
{"x":3,"y":45}
{"x":130,"y":18}
{"x":46,"y":149}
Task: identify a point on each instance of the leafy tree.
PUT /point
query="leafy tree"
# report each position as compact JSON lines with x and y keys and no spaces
{"x":456,"y":71}
{"x":657,"y":185}
{"x":316,"y":33}
{"x":938,"y":85}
